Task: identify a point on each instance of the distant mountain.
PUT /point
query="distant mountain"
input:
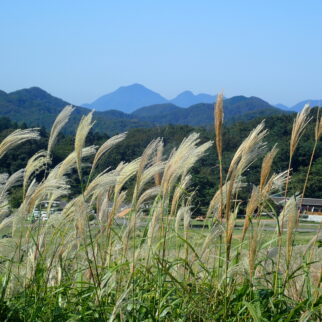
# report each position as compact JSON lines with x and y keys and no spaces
{"x":299,"y":106}
{"x":36,"y":107}
{"x":283,"y":107}
{"x":187,"y":98}
{"x":127,"y":99}
{"x":235,"y":109}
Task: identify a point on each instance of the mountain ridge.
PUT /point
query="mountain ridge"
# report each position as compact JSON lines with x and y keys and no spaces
{"x":37,"y":107}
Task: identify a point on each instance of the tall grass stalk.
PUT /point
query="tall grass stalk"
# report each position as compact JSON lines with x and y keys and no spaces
{"x":152,"y":264}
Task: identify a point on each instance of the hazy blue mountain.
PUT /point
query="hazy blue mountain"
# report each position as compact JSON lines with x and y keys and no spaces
{"x":127,"y":99}
{"x":298,"y":107}
{"x":36,"y":107}
{"x":282,"y":107}
{"x":187,"y":98}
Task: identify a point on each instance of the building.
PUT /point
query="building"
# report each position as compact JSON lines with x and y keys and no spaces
{"x":307,"y":206}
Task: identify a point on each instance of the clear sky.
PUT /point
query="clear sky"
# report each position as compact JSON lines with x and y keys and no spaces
{"x":79,"y":50}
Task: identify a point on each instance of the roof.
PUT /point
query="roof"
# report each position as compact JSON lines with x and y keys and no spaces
{"x":305,"y":202}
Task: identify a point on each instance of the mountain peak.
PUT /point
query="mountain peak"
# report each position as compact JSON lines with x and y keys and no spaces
{"x":127,"y":99}
{"x":187,"y":98}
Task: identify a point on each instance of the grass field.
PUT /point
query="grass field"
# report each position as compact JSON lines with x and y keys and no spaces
{"x":164,"y":265}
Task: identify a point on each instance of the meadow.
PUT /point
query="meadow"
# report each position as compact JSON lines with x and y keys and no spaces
{"x":85,"y":264}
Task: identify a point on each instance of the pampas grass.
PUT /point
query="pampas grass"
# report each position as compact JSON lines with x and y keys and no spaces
{"x":152,"y":263}
{"x":59,"y":123}
{"x":17,"y":137}
{"x":83,"y":128}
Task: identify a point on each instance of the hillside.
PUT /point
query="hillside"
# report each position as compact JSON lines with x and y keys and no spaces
{"x":236,"y":109}
{"x":36,"y":107}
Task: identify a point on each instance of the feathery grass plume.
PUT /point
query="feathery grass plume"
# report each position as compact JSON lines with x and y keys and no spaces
{"x":248,"y":151}
{"x":253,"y":203}
{"x":216,"y":230}
{"x":83,"y":128}
{"x":267,"y":165}
{"x":59,"y":123}
{"x":275,"y":183}
{"x":17,"y":137}
{"x":219,"y":118}
{"x":49,"y":186}
{"x":214,"y":205}
{"x":102,"y":214}
{"x":7,"y":222}
{"x":107,"y":146}
{"x":286,"y":211}
{"x":181,"y":160}
{"x":246,"y":154}
{"x":299,"y":124}
{"x":101,"y":183}
{"x":317,"y":132}
{"x":179,"y":217}
{"x":157,"y":159}
{"x":127,"y":171}
{"x":291,"y":225}
{"x":35,"y":164}
{"x":318,"y":129}
{"x":230,"y":230}
{"x":8,"y":183}
{"x":156,"y":211}
{"x":70,"y":161}
{"x":179,"y":190}
{"x":143,"y":175}
{"x":148,"y":194}
{"x":186,"y":221}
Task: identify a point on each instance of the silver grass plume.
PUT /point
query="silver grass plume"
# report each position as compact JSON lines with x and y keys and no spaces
{"x":47,"y":187}
{"x":127,"y":171}
{"x":71,"y":161}
{"x":35,"y":164}
{"x":248,"y":151}
{"x":299,"y":124}
{"x":267,"y":165}
{"x":105,"y":147}
{"x":17,"y":137}
{"x":179,"y":190}
{"x":14,"y":179}
{"x":83,"y":128}
{"x":253,"y":203}
{"x":214,"y":204}
{"x":148,"y":194}
{"x":59,"y":123}
{"x":144,"y":163}
{"x":101,"y":184}
{"x":182,"y":159}
{"x":291,"y":225}
{"x":157,"y":159}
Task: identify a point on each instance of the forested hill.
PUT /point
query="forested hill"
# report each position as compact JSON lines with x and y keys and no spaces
{"x":237,"y":108}
{"x":36,"y":107}
{"x":205,"y":173}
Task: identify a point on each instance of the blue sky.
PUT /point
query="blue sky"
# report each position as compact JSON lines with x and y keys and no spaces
{"x":79,"y":50}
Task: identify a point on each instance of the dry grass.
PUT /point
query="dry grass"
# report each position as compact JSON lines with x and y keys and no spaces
{"x":155,"y":266}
